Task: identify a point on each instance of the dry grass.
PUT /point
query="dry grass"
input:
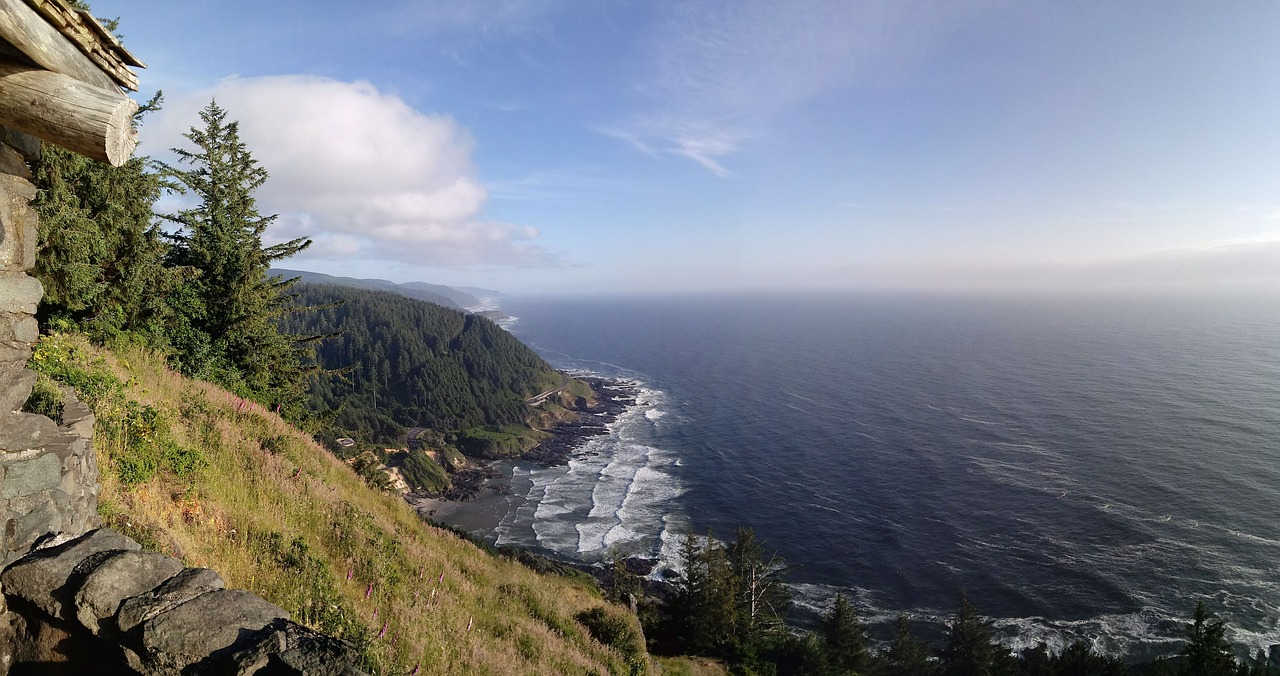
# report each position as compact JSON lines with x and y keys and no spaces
{"x":691,"y":666}
{"x":276,"y":514}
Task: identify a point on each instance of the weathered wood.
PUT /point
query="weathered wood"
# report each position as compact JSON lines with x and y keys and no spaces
{"x":80,"y":27}
{"x":25,"y":29}
{"x":82,"y":118}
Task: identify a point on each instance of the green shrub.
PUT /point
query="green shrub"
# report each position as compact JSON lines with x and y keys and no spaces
{"x":135,"y":437}
{"x":617,"y":631}
{"x":46,"y":398}
{"x":184,"y":462}
{"x":423,"y":472}
{"x":274,"y":444}
{"x":308,"y":588}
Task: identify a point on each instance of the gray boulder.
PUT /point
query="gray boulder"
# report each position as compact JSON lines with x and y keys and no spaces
{"x":44,"y":577}
{"x":211,"y":626}
{"x":120,"y":576}
{"x":173,"y":592}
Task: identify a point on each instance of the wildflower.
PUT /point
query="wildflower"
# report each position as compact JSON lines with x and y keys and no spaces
{"x":395,"y":635}
{"x":441,"y":577}
{"x":415,"y":669}
{"x":375,"y":614}
{"x":349,"y":573}
{"x":368,"y":591}
{"x":384,"y":630}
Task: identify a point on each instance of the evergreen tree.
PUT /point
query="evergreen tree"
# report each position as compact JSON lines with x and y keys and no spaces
{"x":731,"y":600}
{"x":100,"y":254}
{"x":718,"y":619}
{"x":844,"y":638}
{"x":969,"y":650}
{"x":624,"y":586}
{"x":762,"y":595}
{"x":1078,"y":659}
{"x":225,"y":327}
{"x":906,"y":656}
{"x":1207,"y":651}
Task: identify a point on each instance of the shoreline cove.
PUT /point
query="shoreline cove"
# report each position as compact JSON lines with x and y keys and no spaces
{"x":481,"y":505}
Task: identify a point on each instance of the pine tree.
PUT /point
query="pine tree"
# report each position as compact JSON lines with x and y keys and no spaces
{"x":844,"y":638}
{"x":762,"y":595}
{"x":1207,"y":651}
{"x":226,"y":326}
{"x":969,"y":650}
{"x":906,"y":656}
{"x":100,"y":252}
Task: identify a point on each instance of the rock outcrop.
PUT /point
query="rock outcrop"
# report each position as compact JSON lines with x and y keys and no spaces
{"x":98,"y":604}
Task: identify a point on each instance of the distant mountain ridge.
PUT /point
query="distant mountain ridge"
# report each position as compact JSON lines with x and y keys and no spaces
{"x":458,"y":298}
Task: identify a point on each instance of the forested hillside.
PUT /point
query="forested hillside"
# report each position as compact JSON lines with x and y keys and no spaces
{"x":432,"y":293}
{"x":396,"y":362}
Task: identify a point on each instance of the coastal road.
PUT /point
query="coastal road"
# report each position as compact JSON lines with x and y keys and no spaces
{"x":542,"y":396}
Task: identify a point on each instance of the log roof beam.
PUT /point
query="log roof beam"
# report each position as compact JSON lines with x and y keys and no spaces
{"x":65,"y":40}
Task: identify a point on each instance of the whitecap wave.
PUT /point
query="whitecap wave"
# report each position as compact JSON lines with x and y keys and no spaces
{"x":617,"y":495}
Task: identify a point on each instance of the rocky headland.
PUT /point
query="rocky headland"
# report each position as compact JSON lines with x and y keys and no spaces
{"x":592,"y":419}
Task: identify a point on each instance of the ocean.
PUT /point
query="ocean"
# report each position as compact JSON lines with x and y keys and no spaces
{"x":1081,"y":468}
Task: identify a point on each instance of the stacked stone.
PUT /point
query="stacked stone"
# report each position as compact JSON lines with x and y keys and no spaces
{"x":19,"y":292}
{"x":48,"y":472}
{"x":98,"y":602}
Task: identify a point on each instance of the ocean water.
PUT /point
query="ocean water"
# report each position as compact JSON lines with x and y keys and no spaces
{"x":1081,"y":468}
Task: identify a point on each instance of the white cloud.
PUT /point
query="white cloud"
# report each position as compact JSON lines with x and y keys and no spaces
{"x":359,"y":171}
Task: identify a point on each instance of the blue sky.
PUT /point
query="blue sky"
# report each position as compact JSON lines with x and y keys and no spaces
{"x":555,"y":146}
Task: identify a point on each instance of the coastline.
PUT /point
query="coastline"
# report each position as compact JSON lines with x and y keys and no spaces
{"x":614,"y":397}
{"x":482,"y":501}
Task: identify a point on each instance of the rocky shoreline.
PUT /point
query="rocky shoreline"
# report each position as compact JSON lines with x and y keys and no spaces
{"x":614,"y":398}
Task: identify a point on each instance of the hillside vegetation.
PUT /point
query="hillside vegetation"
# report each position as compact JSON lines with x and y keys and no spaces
{"x":216,"y":480}
{"x":396,"y":362}
{"x":439,"y":294}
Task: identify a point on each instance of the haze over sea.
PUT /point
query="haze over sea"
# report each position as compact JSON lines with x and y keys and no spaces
{"x":1080,"y":467}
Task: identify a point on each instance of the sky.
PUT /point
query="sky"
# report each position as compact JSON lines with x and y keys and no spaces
{"x":552,"y":146}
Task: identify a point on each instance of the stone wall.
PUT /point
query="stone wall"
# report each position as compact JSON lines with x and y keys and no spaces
{"x":48,"y":477}
{"x":98,"y":604}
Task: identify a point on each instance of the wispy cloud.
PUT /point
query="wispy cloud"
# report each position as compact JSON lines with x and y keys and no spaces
{"x":486,"y":18}
{"x":360,"y":172}
{"x":721,"y":73}
{"x":566,"y":186}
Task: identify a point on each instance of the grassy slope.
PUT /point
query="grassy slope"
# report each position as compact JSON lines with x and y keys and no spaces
{"x":276,"y":514}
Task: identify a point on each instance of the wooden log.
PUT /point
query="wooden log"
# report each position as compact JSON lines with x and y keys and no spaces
{"x":82,"y":118}
{"x":25,"y":29}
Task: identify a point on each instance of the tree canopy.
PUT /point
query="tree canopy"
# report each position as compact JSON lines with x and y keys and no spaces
{"x":226,"y":313}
